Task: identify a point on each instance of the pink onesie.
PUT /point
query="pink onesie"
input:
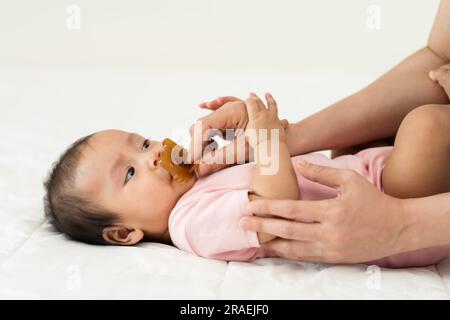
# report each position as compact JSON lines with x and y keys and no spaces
{"x":205,"y":219}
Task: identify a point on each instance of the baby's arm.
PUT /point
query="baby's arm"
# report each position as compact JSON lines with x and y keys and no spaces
{"x":274,"y":177}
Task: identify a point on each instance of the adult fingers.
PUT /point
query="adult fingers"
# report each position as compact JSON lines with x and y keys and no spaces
{"x":202,"y":133}
{"x":299,"y":250}
{"x":282,"y":228}
{"x":299,"y":210}
{"x":198,"y":143}
{"x":218,"y":102}
{"x":205,"y":128}
{"x":235,"y":152}
{"x":328,"y":176}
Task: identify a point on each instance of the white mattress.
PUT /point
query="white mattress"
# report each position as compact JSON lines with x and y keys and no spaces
{"x":42,"y":111}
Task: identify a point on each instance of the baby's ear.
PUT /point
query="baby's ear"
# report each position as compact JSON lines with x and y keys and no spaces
{"x":121,"y":235}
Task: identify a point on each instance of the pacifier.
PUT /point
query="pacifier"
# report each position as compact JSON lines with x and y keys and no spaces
{"x":173,"y":159}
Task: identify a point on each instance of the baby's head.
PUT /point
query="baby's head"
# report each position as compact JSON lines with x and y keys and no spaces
{"x":109,"y":188}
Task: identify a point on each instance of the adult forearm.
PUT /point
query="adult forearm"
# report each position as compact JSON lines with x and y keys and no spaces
{"x":373,"y":113}
{"x":426,"y":223}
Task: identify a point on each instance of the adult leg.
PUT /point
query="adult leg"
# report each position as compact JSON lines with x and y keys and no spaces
{"x":355,"y":149}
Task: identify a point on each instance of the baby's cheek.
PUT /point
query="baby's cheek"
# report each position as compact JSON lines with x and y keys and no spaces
{"x":160,"y":194}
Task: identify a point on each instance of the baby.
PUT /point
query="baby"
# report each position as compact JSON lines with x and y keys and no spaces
{"x":110,"y":188}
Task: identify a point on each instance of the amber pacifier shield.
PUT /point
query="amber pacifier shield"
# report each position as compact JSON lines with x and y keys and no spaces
{"x":172,"y":160}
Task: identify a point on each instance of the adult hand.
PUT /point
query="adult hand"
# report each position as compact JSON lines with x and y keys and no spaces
{"x":228,"y":113}
{"x":359,"y":225}
{"x":231,"y":115}
{"x":220,"y":101}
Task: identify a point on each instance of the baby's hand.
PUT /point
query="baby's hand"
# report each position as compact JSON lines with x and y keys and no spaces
{"x":260,"y":117}
{"x":442,"y":76}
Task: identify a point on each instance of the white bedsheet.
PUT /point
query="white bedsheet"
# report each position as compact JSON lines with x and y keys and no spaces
{"x":42,"y":111}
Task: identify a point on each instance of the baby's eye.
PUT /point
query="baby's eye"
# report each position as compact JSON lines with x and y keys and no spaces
{"x":130,"y":174}
{"x":146,"y":144}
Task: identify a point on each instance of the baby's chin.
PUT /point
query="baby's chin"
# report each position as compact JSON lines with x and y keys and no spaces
{"x":183,"y":186}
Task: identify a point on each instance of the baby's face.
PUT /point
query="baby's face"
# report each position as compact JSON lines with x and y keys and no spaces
{"x":121,"y":173}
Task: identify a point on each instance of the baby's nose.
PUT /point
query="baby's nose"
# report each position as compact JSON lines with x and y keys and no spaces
{"x":154,"y":159}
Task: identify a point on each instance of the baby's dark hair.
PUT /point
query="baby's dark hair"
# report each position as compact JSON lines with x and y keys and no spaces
{"x":70,"y":211}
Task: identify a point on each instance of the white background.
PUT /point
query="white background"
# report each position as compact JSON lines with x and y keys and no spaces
{"x":213,"y":35}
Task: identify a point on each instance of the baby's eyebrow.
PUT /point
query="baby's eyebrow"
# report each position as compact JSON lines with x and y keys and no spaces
{"x":115,"y":172}
{"x":132,"y":136}
{"x":119,"y":161}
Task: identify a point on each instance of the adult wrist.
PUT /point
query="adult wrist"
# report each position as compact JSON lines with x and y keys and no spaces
{"x":296,"y":140}
{"x":415,"y":230}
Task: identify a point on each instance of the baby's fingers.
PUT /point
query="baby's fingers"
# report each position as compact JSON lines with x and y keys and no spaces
{"x":272,"y":104}
{"x":258,"y":100}
{"x":253,"y":107}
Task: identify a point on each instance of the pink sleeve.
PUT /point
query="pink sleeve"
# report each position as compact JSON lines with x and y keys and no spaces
{"x":209,"y":227}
